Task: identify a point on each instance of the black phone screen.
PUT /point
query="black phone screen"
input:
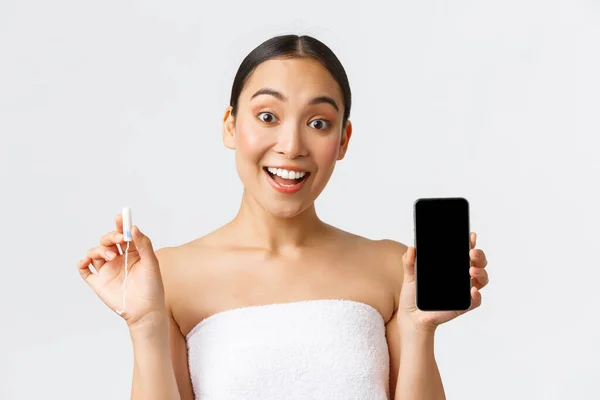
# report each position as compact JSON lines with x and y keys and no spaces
{"x":442,"y":260}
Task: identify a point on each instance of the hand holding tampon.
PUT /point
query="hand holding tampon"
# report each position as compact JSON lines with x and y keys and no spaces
{"x":135,"y":290}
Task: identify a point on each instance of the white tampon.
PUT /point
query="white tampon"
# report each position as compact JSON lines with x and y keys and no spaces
{"x":127,"y":224}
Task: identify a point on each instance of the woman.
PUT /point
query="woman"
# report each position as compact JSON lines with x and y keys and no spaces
{"x":277,"y":303}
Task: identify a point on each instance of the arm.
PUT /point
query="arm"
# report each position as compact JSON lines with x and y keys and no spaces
{"x":153,"y":375}
{"x":160,"y":357}
{"x":414,"y":374}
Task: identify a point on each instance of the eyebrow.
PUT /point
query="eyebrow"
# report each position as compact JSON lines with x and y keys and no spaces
{"x":280,"y":96}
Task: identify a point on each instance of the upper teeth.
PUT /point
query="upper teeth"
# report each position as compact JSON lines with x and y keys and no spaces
{"x":284,"y":173}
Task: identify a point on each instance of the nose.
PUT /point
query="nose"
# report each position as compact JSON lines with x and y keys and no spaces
{"x":290,"y":141}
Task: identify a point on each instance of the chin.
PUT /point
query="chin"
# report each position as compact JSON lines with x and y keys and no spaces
{"x":285,"y":211}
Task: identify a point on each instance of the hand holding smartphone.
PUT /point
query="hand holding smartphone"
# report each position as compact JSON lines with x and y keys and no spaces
{"x":442,"y":261}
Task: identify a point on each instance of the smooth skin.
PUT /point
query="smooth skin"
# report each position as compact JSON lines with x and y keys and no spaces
{"x":275,"y":250}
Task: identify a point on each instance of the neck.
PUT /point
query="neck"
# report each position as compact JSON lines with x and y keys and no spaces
{"x":264,"y":230}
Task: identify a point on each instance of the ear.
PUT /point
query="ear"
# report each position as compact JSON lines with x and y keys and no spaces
{"x":228,"y":129}
{"x":346,"y":135}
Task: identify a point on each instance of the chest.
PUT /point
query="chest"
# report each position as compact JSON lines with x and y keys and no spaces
{"x":238,"y":280}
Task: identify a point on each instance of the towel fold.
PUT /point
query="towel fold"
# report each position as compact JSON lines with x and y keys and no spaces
{"x":309,"y":350}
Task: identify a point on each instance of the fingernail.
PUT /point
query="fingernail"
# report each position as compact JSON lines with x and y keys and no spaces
{"x":110,"y":254}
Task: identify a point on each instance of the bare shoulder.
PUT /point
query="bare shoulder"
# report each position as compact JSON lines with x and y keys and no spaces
{"x":388,"y":254}
{"x":170,"y":269}
{"x":390,"y":250}
{"x":181,"y":264}
{"x":174,"y":260}
{"x":196,"y":247}
{"x":391,"y":253}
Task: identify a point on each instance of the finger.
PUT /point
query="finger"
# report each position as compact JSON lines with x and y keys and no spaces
{"x":478,"y":258}
{"x":114,"y":239}
{"x":111,"y":240}
{"x":98,"y":263}
{"x":475,"y":301}
{"x":128,"y":247}
{"x":408,"y":260}
{"x":122,"y":244}
{"x":475,"y":298}
{"x":473,"y":239}
{"x":100,"y":255}
{"x":480,"y":277}
{"x":119,"y":228}
{"x":143,"y":244}
{"x":83,"y":266}
{"x":119,"y":223}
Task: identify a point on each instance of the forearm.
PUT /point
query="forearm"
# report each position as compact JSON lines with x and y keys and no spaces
{"x":153,"y":375}
{"x":418,"y":375}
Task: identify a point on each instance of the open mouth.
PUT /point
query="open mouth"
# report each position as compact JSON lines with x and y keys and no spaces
{"x":286,"y":178}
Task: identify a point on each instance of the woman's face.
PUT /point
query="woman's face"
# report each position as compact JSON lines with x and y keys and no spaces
{"x":287,"y":134}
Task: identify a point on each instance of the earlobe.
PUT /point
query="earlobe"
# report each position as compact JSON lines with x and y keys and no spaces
{"x":346,"y":135}
{"x":228,"y":132}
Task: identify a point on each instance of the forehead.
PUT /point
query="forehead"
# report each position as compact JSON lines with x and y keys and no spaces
{"x":294,"y":77}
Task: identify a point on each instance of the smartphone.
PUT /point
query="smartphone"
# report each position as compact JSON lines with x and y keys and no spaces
{"x":442,"y":263}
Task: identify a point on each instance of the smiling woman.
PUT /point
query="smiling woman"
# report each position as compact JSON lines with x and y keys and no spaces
{"x":289,"y":111}
{"x":277,"y":303}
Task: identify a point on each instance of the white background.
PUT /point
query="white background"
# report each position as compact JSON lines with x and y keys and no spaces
{"x":119,"y":103}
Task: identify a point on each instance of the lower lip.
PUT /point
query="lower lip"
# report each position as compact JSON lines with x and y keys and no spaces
{"x":285,"y":189}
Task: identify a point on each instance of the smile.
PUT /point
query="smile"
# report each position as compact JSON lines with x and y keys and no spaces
{"x":286,"y":180}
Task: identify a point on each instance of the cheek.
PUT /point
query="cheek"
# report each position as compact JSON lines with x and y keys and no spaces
{"x":250,"y":144}
{"x":328,"y":152}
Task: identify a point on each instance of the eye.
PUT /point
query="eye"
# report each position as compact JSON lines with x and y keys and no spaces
{"x":321,"y":124}
{"x":269,"y":119}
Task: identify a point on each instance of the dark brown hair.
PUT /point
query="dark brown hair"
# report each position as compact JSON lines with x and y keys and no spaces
{"x":292,"y":46}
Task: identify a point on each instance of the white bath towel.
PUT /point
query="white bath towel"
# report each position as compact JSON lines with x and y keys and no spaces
{"x":308,"y":350}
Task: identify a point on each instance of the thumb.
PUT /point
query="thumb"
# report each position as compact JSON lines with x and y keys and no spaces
{"x":143,"y":244}
{"x":408,"y":259}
